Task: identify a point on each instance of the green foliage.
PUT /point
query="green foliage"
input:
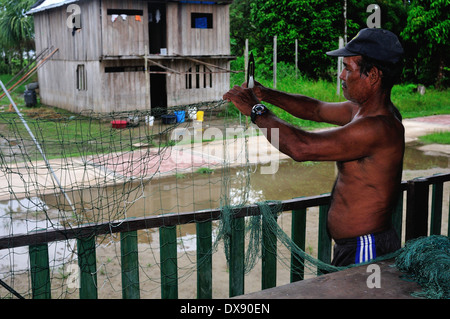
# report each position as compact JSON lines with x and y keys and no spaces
{"x":422,"y":26}
{"x":426,"y":36}
{"x":16,"y":34}
{"x":313,"y":24}
{"x":405,"y":96}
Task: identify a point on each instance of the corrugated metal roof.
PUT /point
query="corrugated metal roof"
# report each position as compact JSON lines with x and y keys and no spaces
{"x":49,"y":4}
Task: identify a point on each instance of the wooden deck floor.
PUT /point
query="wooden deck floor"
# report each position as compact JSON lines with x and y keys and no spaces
{"x":346,"y":284}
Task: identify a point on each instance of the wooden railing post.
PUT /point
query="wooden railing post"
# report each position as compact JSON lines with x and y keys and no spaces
{"x":324,"y":249}
{"x":397,"y":215}
{"x":237,"y":241}
{"x":87,"y":262}
{"x":204,"y":260}
{"x":269,"y":256}
{"x":417,"y":208}
{"x":40,"y":271}
{"x":130,"y":265}
{"x":436,"y":208}
{"x":169,"y":265}
{"x":298,"y":236}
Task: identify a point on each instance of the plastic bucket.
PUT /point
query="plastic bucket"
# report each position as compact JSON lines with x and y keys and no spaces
{"x":149,"y":120}
{"x":192,"y":113}
{"x":200,"y":116}
{"x":180,"y":116}
{"x":169,"y":119}
{"x":119,"y":124}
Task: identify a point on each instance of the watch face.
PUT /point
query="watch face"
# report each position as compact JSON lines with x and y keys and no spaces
{"x":260,"y":109}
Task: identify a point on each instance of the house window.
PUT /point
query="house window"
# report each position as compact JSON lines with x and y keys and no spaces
{"x":201,"y":20}
{"x":198,"y":76}
{"x":128,"y":12}
{"x":120,"y":69}
{"x":81,"y":78}
{"x":189,"y":79}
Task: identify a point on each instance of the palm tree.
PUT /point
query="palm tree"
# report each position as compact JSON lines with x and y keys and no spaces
{"x":16,"y":30}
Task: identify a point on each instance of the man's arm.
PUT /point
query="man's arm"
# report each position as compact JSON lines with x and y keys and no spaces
{"x":355,"y":140}
{"x":307,"y":108}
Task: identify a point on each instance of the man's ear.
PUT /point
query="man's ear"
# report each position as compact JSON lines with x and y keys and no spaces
{"x":375,"y":75}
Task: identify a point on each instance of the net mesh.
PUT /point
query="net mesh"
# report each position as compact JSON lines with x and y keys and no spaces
{"x":89,"y":169}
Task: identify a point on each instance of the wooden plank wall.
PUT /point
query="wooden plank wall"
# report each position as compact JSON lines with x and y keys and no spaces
{"x":178,"y":94}
{"x":124,"y":37}
{"x":57,"y":85}
{"x":100,"y":37}
{"x":122,"y":91}
{"x":51,"y":29}
{"x":57,"y":78}
{"x":184,"y":40}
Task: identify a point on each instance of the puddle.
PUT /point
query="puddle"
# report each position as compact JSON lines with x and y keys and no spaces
{"x":175,"y":194}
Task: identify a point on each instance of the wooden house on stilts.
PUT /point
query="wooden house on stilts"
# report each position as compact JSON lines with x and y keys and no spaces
{"x":120,"y":55}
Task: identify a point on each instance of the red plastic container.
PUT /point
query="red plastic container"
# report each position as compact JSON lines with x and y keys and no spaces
{"x":119,"y":124}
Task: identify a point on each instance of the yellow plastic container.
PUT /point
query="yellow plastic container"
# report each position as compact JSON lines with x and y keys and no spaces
{"x":200,"y":116}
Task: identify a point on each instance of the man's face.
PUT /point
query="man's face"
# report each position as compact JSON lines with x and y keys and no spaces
{"x":354,"y":85}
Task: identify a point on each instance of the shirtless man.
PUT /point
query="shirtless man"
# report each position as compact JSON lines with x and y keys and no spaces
{"x":368,"y":144}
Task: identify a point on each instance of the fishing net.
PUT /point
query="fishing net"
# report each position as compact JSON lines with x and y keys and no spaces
{"x":62,"y":171}
{"x":426,"y":260}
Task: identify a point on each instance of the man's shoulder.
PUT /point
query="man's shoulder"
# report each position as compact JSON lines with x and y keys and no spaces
{"x":385,"y":121}
{"x":383,"y":127}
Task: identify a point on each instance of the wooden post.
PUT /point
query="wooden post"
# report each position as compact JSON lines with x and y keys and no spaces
{"x":130,"y":265}
{"x":296,"y":58}
{"x":275,"y":62}
{"x":88,"y":267}
{"x":397,"y":216}
{"x":298,"y":230}
{"x":237,"y":257}
{"x":169,"y":266}
{"x":246,"y":60}
{"x":40,"y":271}
{"x":147,"y":80}
{"x":339,"y":68}
{"x":324,"y":249}
{"x":269,"y":257}
{"x":417,"y":208}
{"x":204,"y":260}
{"x":436,"y":208}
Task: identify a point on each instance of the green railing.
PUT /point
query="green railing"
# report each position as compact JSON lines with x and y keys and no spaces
{"x":416,"y":225}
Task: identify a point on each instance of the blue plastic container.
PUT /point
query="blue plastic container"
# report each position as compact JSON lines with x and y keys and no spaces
{"x":180,"y":116}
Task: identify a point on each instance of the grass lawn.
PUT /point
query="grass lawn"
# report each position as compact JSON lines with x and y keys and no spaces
{"x":439,"y":138}
{"x":81,"y":136}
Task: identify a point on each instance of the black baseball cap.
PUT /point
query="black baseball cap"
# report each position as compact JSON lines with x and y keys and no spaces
{"x":378,"y":44}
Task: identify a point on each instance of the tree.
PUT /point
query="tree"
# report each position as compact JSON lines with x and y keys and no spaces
{"x":16,"y":29}
{"x":316,"y":25}
{"x":426,"y":35}
{"x":241,"y":25}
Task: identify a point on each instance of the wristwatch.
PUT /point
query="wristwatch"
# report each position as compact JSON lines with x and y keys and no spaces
{"x":258,"y":109}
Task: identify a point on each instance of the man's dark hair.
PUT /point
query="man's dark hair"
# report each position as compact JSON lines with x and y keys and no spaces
{"x":390,"y":71}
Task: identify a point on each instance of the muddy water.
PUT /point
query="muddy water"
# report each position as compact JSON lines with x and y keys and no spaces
{"x":180,"y":194}
{"x":192,"y":192}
